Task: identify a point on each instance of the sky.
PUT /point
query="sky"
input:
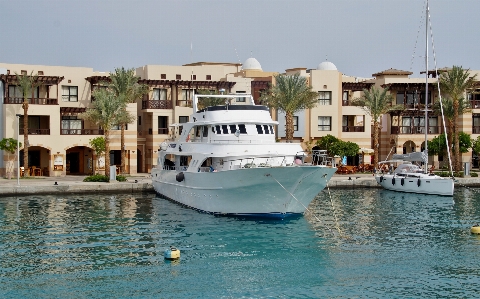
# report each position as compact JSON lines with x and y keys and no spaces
{"x":361,"y":37}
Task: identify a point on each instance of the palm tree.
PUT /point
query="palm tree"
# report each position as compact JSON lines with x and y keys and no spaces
{"x":125,"y":85}
{"x":453,"y":84}
{"x":106,"y":107}
{"x":447,"y":103}
{"x":290,"y":94}
{"x":27,"y":83}
{"x":376,"y":102}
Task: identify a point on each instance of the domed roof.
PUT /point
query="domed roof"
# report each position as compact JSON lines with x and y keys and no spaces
{"x":326,"y":66}
{"x":252,"y":64}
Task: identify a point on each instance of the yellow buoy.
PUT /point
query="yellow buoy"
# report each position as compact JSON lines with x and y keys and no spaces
{"x":475,"y":229}
{"x":172,"y":253}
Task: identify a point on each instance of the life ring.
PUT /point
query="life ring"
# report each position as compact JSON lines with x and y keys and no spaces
{"x":393,"y":181}
{"x":418,"y":183}
{"x":402,"y":181}
{"x":188,"y":137}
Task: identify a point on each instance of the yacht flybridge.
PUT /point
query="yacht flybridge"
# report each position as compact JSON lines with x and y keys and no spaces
{"x":226,"y":161}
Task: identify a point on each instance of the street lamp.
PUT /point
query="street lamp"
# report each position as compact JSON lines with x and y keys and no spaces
{"x":18,"y":150}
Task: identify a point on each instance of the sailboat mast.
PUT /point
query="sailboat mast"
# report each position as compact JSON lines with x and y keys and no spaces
{"x":426,"y":85}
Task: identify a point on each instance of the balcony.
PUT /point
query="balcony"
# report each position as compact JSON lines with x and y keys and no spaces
{"x":475,"y":104}
{"x":164,"y":104}
{"x":162,"y":130}
{"x":81,"y":132}
{"x":34,"y":101}
{"x":36,"y":131}
{"x":353,"y":129}
{"x":415,"y":130}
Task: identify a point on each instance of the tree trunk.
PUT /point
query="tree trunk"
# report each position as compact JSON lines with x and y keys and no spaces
{"x":289,"y":126}
{"x":375,"y":143}
{"x":25,"y":137}
{"x":107,"y":153}
{"x":122,"y":149}
{"x":457,"y":136}
{"x":10,"y":167}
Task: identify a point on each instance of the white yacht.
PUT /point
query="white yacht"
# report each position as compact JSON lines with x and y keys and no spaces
{"x":226,"y":161}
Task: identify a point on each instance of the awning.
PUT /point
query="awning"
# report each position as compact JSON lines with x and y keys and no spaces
{"x":366,"y":151}
{"x":72,"y":110}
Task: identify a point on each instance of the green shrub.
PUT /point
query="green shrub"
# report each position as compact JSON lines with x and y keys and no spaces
{"x":121,"y":178}
{"x":103,"y":178}
{"x":473,"y":174}
{"x":443,"y":174}
{"x":96,"y":178}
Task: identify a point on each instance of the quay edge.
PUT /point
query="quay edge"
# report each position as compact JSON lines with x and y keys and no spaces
{"x":46,"y":186}
{"x":66,"y":188}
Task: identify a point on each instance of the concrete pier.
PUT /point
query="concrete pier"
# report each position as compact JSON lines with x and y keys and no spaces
{"x":75,"y":184}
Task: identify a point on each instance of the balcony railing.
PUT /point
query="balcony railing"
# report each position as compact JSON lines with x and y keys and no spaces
{"x":415,"y":130}
{"x":476,"y":130}
{"x":162,"y":130}
{"x":36,"y":131}
{"x":81,"y":132}
{"x":165,"y":104}
{"x":475,"y":104}
{"x":34,"y":101}
{"x":353,"y":129}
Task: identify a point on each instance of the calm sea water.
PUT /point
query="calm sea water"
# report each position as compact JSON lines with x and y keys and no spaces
{"x":351,"y":244}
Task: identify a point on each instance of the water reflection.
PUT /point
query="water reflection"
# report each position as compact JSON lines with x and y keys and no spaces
{"x":56,"y":234}
{"x":403,"y":240}
{"x":373,"y":243}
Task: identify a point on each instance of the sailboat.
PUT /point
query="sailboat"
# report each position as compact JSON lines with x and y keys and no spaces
{"x":407,"y":176}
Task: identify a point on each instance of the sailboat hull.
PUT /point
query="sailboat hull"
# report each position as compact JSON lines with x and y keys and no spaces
{"x":423,"y":184}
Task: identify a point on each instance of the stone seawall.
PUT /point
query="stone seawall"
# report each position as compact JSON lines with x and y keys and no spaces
{"x":76,"y":185}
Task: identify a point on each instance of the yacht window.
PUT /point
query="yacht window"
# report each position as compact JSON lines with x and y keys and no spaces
{"x":265,"y":128}
{"x":233,"y":129}
{"x":242,"y":129}
{"x":213,"y":129}
{"x":205,"y":131}
{"x":185,"y":160}
{"x":271,"y":130}
{"x":197,"y":131}
{"x":259,"y":129}
{"x":218,"y":129}
{"x":225,"y":129}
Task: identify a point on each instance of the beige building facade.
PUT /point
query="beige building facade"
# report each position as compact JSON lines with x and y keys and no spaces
{"x":59,"y":139}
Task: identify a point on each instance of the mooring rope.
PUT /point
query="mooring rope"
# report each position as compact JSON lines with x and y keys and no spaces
{"x":333,"y":208}
{"x":306,"y":208}
{"x":465,"y":186}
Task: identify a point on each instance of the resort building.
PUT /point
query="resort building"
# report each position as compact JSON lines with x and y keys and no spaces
{"x":59,"y":139}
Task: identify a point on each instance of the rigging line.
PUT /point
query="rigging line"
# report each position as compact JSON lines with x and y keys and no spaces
{"x":306,"y":208}
{"x":333,"y":209}
{"x":416,"y":40}
{"x":242,"y":71}
{"x":439,"y":93}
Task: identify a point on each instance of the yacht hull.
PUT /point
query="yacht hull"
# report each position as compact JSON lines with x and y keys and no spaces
{"x":423,"y":184}
{"x":276,"y":192}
